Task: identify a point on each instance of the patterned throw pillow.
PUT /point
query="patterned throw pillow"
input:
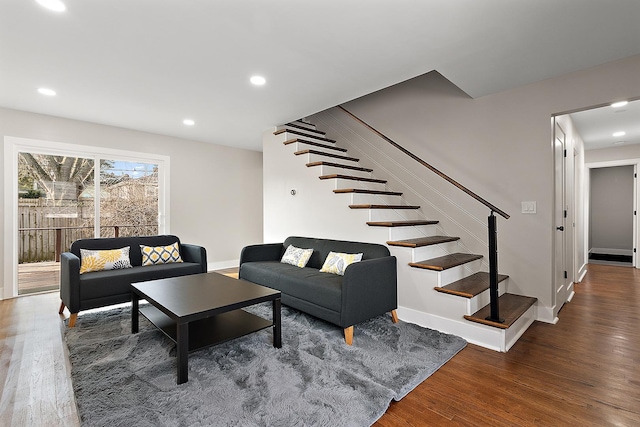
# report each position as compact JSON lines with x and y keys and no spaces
{"x":296,"y":256}
{"x":111,"y":259}
{"x":336,"y":262}
{"x":152,"y":255}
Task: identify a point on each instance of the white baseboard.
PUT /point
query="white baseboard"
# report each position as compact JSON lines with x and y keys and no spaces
{"x":545,"y":314}
{"x":582,"y":272}
{"x":611,"y":251}
{"x":220,"y":265}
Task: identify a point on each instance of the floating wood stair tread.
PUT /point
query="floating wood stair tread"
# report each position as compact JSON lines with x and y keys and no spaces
{"x":315,"y":144}
{"x":445,"y":262}
{"x":323,"y":153}
{"x":423,"y":241}
{"x":400,"y":223}
{"x":365,"y":191}
{"x":470,"y":286}
{"x":303,"y":134}
{"x":354,"y":178}
{"x":511,"y":308}
{"x":383,"y":207}
{"x":293,"y":125}
{"x":339,"y":165}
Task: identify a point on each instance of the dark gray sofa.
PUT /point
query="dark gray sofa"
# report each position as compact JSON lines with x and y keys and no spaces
{"x":367,"y":289}
{"x":102,"y":288}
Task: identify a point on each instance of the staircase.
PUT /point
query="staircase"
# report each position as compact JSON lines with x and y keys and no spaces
{"x":455,"y":290}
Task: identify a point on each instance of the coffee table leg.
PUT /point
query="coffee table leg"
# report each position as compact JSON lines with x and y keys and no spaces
{"x":135,"y":304}
{"x":277,"y":328}
{"x":183,"y":352}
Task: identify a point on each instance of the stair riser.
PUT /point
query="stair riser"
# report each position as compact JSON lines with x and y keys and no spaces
{"x":402,"y":233}
{"x":484,"y":298}
{"x":395,"y":215}
{"x":374,"y":199}
{"x":307,"y":127}
{"x":349,"y":183}
{"x":329,"y":170}
{"x":434,"y":251}
{"x":309,"y":136}
{"x":320,"y":158}
{"x":299,"y":146}
{"x":456,"y":273}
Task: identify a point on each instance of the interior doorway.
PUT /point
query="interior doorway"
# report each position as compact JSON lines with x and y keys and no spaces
{"x":611,"y":215}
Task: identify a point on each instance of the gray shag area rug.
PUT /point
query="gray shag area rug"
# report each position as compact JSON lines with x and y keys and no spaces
{"x":315,"y":379}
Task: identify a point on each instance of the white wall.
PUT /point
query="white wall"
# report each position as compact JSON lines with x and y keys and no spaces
{"x":216,"y":191}
{"x":498,"y":145}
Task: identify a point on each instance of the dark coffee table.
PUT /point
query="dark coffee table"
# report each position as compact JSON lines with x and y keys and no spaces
{"x":200,"y":310}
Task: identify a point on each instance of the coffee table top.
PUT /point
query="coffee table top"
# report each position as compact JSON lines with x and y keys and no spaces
{"x":195,"y":296}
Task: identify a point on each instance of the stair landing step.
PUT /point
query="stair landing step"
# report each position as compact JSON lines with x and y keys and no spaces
{"x":470,"y":286}
{"x":324,"y":153}
{"x":315,"y":144}
{"x":354,"y":178}
{"x":383,"y":207}
{"x":511,"y":308}
{"x":339,"y":165}
{"x":423,"y":241}
{"x":400,"y":223}
{"x":303,"y":134}
{"x":445,"y":262}
{"x":365,"y":191}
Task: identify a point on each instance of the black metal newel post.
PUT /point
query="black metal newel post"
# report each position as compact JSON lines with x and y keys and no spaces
{"x":493,"y":270}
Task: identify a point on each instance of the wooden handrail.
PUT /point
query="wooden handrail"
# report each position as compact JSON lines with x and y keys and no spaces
{"x":428,"y":166}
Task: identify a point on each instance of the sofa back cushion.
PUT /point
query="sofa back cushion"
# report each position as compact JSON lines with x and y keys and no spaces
{"x":118,"y":242}
{"x":322,"y":247}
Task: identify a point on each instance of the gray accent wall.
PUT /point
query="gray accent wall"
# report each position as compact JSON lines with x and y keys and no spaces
{"x":611,"y":210}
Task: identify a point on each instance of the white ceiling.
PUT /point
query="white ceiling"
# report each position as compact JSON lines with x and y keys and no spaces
{"x":148,"y":64}
{"x":597,"y":126}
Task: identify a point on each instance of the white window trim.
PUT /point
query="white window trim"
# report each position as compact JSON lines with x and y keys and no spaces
{"x":15,"y":145}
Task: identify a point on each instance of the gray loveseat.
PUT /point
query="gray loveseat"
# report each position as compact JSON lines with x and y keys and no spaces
{"x":102,"y":288}
{"x":367,"y":289}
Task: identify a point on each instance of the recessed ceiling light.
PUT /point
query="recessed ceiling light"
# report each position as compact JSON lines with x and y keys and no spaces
{"x":188,"y":122}
{"x":45,"y":91}
{"x":620,"y":133}
{"x":619,"y":142}
{"x":258,"y":80}
{"x":55,"y":5}
{"x":619,"y":104}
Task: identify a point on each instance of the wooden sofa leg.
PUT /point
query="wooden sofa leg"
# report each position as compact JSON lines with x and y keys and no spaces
{"x":348,"y":335}
{"x":72,"y":319}
{"x":394,"y":316}
{"x":61,"y":308}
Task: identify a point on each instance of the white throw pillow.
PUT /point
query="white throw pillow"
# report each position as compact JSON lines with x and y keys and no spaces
{"x":337,"y":262}
{"x":296,"y":256}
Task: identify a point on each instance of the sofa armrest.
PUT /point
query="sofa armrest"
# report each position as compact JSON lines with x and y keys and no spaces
{"x":70,"y":281}
{"x":264,"y":252}
{"x":194,"y":253}
{"x":369,"y":289}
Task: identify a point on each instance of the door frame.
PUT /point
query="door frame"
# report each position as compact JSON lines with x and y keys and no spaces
{"x":14,"y":145}
{"x":561,"y":291}
{"x":636,"y":197}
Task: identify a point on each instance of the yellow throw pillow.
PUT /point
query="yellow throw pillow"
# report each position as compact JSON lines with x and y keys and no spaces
{"x":296,"y":256}
{"x":98,"y":260}
{"x":336,"y":262}
{"x":152,"y":255}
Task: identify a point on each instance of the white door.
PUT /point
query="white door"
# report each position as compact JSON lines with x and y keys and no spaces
{"x":560,"y":212}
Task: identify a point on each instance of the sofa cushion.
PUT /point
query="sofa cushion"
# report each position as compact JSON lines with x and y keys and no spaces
{"x":296,"y":256}
{"x":306,"y":283}
{"x":107,"y":283}
{"x":152,"y":255}
{"x":118,"y":242}
{"x":322,"y":247}
{"x":108,"y":259}
{"x":337,"y":262}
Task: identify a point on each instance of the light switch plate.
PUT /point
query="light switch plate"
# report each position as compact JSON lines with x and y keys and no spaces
{"x":528,"y":207}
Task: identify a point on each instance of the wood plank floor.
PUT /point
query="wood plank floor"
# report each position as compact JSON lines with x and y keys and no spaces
{"x":582,"y":371}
